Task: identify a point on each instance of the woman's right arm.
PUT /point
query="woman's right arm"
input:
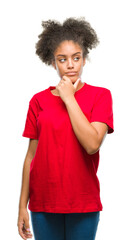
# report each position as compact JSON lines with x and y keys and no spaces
{"x":23,"y":216}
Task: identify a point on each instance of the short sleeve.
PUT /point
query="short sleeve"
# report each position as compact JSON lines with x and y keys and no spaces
{"x":103,"y":109}
{"x":30,"y":129}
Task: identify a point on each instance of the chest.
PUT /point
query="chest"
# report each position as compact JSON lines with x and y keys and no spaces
{"x":54,"y":114}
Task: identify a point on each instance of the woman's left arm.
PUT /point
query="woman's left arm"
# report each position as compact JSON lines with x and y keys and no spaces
{"x":90,"y":135}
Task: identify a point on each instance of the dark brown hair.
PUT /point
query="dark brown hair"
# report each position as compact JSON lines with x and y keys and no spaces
{"x":75,"y":29}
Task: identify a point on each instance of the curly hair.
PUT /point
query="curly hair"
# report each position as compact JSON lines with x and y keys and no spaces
{"x":75,"y":29}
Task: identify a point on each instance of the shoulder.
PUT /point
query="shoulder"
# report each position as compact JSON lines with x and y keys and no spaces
{"x":98,"y":94}
{"x":97,"y":89}
{"x":37,"y":97}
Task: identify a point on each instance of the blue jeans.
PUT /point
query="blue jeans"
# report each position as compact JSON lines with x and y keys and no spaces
{"x":64,"y":226}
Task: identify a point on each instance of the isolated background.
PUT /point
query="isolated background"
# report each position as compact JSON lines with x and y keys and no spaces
{"x":23,"y":75}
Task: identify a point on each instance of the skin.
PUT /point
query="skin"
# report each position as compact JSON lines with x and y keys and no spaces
{"x":69,"y":57}
{"x":23,"y":215}
{"x":90,"y":135}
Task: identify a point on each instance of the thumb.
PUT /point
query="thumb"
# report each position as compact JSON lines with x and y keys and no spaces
{"x":76,"y":83}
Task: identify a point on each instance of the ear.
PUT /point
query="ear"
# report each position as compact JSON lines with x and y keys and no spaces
{"x":53,"y":64}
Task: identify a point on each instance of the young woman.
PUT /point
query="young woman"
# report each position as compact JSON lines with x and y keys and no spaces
{"x":66,"y":125}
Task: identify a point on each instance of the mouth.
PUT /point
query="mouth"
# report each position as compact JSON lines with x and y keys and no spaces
{"x":71,"y":73}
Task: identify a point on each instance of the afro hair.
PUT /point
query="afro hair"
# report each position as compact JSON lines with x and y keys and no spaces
{"x":75,"y":29}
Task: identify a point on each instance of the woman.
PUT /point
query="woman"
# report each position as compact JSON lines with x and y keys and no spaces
{"x":66,"y":126}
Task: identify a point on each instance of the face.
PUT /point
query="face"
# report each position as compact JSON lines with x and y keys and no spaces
{"x":69,"y":60}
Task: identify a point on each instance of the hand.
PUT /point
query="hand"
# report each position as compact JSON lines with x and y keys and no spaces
{"x":66,"y":89}
{"x":23,"y":224}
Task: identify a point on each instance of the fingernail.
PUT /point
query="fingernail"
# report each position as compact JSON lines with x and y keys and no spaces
{"x":28,"y":229}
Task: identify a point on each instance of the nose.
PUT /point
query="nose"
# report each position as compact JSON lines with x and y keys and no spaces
{"x":70,"y":64}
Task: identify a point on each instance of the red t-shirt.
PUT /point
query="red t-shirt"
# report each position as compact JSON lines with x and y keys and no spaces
{"x":63,"y":176}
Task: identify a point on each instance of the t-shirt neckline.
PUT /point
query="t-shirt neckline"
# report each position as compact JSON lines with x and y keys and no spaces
{"x":58,"y":97}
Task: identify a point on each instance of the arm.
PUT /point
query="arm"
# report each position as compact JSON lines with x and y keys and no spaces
{"x":24,"y":196}
{"x":23,"y":216}
{"x":90,"y":135}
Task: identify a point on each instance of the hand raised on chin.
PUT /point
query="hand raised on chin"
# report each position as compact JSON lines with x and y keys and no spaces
{"x":66,"y":89}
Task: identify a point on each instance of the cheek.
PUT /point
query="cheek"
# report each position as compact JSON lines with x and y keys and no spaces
{"x":59,"y":70}
{"x":81,"y":66}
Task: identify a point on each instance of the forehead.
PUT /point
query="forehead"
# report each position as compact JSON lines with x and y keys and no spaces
{"x":68,"y":47}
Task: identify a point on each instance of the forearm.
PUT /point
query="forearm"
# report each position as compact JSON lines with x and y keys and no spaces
{"x":84,"y":131}
{"x":24,"y":196}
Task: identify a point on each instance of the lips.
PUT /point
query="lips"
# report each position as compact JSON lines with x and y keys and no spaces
{"x":71,"y":73}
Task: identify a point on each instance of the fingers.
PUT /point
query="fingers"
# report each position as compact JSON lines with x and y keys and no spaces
{"x":77,"y":82}
{"x":27,"y":232}
{"x":66,"y":78}
{"x":24,"y":231}
{"x":23,"y":224}
{"x":21,"y":232}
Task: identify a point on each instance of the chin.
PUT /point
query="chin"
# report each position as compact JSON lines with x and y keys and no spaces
{"x":73,"y":79}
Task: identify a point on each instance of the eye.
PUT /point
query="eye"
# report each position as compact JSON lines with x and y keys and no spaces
{"x":76,"y":58}
{"x":62,"y":60}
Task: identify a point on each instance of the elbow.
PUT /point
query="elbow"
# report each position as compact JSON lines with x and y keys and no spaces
{"x":92,"y":150}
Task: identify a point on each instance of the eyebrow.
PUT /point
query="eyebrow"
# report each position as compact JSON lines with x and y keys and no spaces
{"x":65,"y":55}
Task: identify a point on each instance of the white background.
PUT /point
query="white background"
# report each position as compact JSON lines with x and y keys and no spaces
{"x":23,"y":74}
